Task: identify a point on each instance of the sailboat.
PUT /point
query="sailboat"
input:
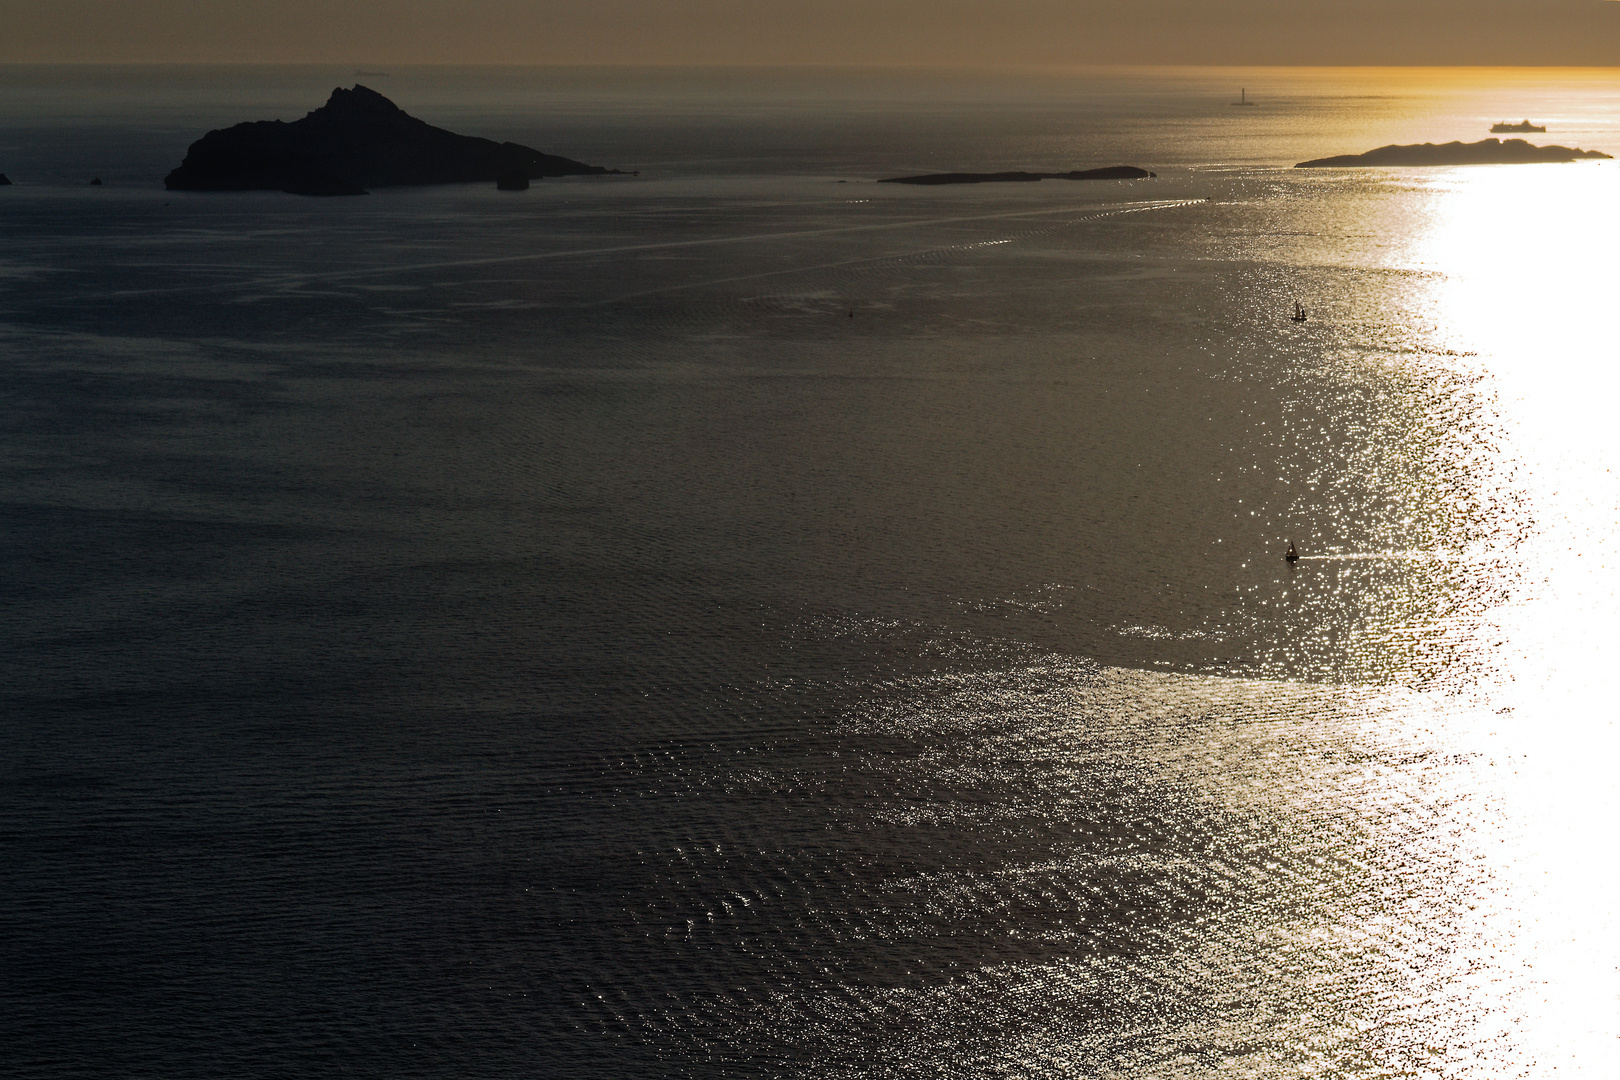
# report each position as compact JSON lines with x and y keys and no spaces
{"x":1243,"y":97}
{"x":1299,"y":311}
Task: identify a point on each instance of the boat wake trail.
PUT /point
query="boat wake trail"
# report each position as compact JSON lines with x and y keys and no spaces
{"x":283,"y":281}
{"x":1385,"y":556}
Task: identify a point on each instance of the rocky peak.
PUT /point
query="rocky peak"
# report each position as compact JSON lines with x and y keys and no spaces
{"x":357,"y":140}
{"x":361,"y":103}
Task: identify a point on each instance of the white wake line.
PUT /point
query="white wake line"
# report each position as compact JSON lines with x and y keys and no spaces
{"x":539,"y":256}
{"x":1391,"y":556}
{"x":877,"y":258}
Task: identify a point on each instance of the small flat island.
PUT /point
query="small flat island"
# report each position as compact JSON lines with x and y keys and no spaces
{"x":1523,"y":127}
{"x":358,"y":140}
{"x":1484,"y":152}
{"x":1112,"y":172}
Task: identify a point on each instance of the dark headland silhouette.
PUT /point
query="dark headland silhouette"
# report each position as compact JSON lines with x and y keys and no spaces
{"x":4,"y":180}
{"x":357,"y":140}
{"x":1484,"y":152}
{"x":1113,"y":172}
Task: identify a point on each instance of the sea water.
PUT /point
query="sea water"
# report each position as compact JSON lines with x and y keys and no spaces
{"x":743,"y":619}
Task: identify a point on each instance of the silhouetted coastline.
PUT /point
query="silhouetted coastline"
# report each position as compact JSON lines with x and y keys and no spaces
{"x":359,"y":139}
{"x":1112,"y":172}
{"x":1484,"y":152}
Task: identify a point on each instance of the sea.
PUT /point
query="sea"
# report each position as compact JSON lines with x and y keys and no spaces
{"x":739,"y":619}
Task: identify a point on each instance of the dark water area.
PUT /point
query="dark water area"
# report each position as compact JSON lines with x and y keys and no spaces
{"x":730,"y":622}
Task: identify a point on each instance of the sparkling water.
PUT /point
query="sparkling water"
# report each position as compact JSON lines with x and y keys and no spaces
{"x":742,"y":619}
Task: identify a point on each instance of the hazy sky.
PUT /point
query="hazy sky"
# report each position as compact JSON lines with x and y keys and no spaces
{"x":1043,"y":32}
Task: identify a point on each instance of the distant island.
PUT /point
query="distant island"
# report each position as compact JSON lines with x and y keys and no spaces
{"x":1112,"y":172}
{"x":1524,"y":126}
{"x":358,"y":140}
{"x":1484,"y":152}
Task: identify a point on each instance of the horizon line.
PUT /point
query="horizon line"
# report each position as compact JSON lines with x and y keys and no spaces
{"x":805,"y":65}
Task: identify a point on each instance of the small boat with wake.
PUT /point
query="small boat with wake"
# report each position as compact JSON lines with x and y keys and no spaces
{"x":1292,"y":556}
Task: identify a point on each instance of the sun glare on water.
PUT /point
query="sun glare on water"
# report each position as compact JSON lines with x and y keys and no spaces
{"x":1526,"y":258}
{"x":1524,"y":270}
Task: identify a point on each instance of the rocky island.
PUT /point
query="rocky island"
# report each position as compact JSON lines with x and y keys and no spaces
{"x":1112,"y":172}
{"x":358,"y":140}
{"x":1484,"y":152}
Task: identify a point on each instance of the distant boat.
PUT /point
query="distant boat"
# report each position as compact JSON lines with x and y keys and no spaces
{"x":1243,"y":97}
{"x":1293,"y":553}
{"x":1524,"y":126}
{"x":1299,"y":312}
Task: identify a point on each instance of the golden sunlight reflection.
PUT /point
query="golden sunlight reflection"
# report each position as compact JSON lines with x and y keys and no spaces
{"x":1523,"y":262}
{"x":1526,"y":258}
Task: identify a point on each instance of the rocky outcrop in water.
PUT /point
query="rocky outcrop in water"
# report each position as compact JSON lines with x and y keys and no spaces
{"x":1484,"y":152}
{"x":4,"y":180}
{"x":357,"y":140}
{"x":1112,"y":172}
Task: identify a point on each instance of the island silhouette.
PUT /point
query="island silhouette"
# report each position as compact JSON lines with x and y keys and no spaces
{"x":358,"y":140}
{"x":1112,"y":172}
{"x":1522,"y":126}
{"x":1484,"y":152}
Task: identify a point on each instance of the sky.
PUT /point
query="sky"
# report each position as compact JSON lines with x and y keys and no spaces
{"x":1047,"y":33}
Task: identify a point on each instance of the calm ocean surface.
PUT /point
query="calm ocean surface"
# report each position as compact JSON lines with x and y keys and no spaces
{"x":741,"y":620}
